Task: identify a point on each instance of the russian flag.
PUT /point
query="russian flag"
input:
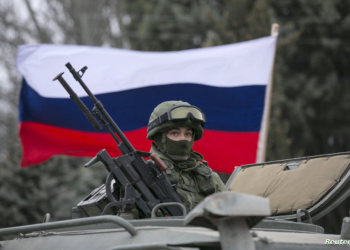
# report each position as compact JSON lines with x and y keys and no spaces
{"x":228,"y":83}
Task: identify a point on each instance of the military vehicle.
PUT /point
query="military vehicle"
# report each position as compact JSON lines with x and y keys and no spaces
{"x":268,"y":206}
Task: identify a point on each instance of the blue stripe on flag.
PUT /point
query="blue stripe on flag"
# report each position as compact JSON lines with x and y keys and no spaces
{"x":232,"y":109}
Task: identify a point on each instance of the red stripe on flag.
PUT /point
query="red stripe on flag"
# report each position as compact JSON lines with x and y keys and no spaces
{"x":40,"y":142}
{"x":223,"y":150}
{"x":226,"y":150}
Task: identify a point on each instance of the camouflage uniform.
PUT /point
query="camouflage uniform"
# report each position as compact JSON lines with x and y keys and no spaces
{"x":192,"y":177}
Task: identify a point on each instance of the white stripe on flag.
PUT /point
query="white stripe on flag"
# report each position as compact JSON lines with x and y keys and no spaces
{"x":111,"y":69}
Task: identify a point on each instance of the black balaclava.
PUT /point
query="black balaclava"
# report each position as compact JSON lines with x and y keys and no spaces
{"x":175,"y":150}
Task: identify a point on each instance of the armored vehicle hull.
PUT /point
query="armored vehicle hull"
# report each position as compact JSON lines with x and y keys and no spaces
{"x":245,"y":217}
{"x":162,"y":234}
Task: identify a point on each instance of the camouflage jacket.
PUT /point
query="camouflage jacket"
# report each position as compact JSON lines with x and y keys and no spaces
{"x":194,"y":184}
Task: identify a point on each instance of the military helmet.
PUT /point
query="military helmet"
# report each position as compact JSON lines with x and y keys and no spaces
{"x":171,"y":114}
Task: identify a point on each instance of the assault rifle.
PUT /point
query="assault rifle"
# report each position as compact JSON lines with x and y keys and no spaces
{"x":142,"y":184}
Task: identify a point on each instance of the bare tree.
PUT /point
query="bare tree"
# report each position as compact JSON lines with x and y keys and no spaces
{"x":85,"y":22}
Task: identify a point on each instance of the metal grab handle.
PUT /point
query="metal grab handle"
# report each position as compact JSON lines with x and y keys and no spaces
{"x":168,"y":204}
{"x":71,"y":223}
{"x":148,"y":246}
{"x":46,"y":218}
{"x":308,"y":220}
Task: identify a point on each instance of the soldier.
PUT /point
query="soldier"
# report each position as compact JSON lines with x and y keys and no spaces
{"x":174,"y":126}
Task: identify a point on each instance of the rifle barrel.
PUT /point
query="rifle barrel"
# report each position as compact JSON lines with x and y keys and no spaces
{"x":77,"y":100}
{"x":101,"y":109}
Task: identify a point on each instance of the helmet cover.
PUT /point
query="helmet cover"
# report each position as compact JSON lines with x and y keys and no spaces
{"x":168,"y":125}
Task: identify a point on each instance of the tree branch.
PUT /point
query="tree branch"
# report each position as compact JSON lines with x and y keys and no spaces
{"x":42,"y":35}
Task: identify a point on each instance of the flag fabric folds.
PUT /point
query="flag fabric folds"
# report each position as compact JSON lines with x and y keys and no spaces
{"x":228,"y":83}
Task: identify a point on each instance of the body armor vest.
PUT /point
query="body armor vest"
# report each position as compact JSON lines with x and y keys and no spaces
{"x":193,"y":185}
